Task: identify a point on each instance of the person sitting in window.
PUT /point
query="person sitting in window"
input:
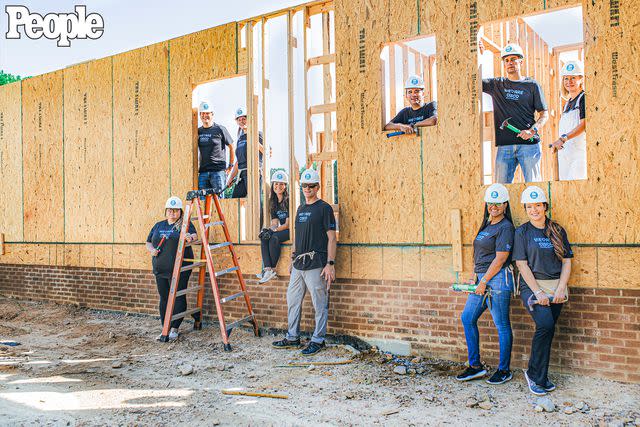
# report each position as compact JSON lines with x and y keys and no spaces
{"x":418,"y":114}
{"x":272,"y":238}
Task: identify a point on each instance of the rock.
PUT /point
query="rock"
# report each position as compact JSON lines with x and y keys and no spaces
{"x":117,"y":364}
{"x":420,"y":371}
{"x":112,"y":336}
{"x":388,"y":356}
{"x":400,"y":370}
{"x":546,"y":403}
{"x":186,"y":370}
{"x":416,"y":360}
{"x":538,"y":408}
{"x":484,"y":398}
{"x":569,"y":410}
{"x":615,"y":423}
{"x":311,"y":368}
{"x":411,"y":371}
{"x":581,"y":406}
{"x":637,"y":421}
{"x":486,"y":405}
{"x":220,"y":368}
{"x":471,"y":402}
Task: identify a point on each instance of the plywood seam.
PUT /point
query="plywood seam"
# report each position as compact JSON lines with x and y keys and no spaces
{"x":169,"y":109}
{"x":113,"y":175}
{"x":22,"y":155}
{"x":64,"y":196}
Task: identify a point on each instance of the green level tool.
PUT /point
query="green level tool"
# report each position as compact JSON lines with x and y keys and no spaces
{"x":464,"y":287}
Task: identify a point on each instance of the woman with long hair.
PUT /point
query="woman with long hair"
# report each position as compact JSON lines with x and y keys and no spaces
{"x":162,"y":244}
{"x":543,"y":255}
{"x":272,"y":238}
{"x":494,"y":278}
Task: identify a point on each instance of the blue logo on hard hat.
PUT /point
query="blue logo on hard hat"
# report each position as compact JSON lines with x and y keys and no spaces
{"x":414,"y":81}
{"x":173,"y":203}
{"x":280,"y":176}
{"x":307,"y":176}
{"x":534,"y":195}
{"x":239,"y":111}
{"x":205,"y":106}
{"x":570,"y":67}
{"x":494,"y":194}
{"x":508,"y":49}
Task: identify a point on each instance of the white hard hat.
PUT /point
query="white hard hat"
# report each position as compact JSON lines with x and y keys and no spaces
{"x":572,"y":68}
{"x":309,"y":176}
{"x":414,"y":82}
{"x":205,"y":107}
{"x":512,"y":49}
{"x":533,"y":194}
{"x":280,"y":176}
{"x":173,"y":202}
{"x":241,"y":112}
{"x":496,"y":193}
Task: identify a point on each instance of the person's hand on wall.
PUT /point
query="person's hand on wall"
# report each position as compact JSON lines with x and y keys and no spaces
{"x":329,"y":274}
{"x":480,"y":45}
{"x":407,"y":129}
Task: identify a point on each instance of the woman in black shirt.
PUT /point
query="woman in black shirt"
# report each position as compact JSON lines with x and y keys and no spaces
{"x":278,"y":232}
{"x":162,"y":244}
{"x":543,"y":255}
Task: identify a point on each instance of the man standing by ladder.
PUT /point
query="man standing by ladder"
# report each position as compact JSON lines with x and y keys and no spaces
{"x":312,"y":265}
{"x":212,"y":141}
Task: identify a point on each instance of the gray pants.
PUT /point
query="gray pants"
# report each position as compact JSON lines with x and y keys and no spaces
{"x":298,"y":284}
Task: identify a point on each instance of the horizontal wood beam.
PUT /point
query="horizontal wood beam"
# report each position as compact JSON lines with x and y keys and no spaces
{"x":323,"y":156}
{"x":322,"y":59}
{"x":319,"y":8}
{"x":322,"y":108}
{"x":490,"y":45}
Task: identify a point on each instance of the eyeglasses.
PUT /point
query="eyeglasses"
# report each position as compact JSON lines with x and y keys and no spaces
{"x":309,"y":185}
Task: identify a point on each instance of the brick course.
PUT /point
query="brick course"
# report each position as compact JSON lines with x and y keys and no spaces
{"x":598,"y":333}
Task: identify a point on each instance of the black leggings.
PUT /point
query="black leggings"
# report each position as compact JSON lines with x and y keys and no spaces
{"x":164,"y":285}
{"x":271,"y":248}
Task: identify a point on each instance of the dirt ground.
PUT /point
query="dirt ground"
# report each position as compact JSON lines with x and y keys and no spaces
{"x":81,"y":367}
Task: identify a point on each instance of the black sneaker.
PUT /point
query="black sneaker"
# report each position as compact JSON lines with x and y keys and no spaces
{"x":285,"y":343}
{"x":472,"y":373}
{"x":312,"y":348}
{"x":500,"y":377}
{"x":549,"y":386}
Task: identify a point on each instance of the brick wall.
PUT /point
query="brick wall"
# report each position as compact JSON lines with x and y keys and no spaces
{"x":598,"y":333}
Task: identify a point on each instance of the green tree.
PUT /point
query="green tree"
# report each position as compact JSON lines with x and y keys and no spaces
{"x":6,"y":78}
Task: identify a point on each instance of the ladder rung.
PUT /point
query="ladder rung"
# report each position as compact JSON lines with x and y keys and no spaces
{"x":192,"y":266}
{"x":232,"y":297}
{"x":195,"y":218}
{"x":188,"y":290}
{"x":230,"y":326}
{"x":194,"y":243}
{"x":184,"y":314}
{"x":219,"y":245}
{"x":228,"y":270}
{"x":210,"y":224}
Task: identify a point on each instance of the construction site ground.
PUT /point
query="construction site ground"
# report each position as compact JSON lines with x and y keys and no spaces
{"x":81,"y":367}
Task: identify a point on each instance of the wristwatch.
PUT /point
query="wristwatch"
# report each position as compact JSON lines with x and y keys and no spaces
{"x":331,"y":262}
{"x":564,"y":137}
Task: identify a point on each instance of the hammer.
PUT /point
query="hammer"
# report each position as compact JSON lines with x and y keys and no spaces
{"x":512,"y":128}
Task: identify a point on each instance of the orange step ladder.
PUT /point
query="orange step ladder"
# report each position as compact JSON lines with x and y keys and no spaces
{"x":206,"y":261}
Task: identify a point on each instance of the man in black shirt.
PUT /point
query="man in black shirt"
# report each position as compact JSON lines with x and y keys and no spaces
{"x":212,"y":158}
{"x":516,"y":98}
{"x":313,"y":257}
{"x":417,"y":114}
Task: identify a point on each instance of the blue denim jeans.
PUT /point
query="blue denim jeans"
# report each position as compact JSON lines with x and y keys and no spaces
{"x":215,"y":180}
{"x":508,"y":157}
{"x":498,"y":299}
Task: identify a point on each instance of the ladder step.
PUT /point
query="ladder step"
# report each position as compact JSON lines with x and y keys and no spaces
{"x":228,"y":270}
{"x":195,"y":218}
{"x":210,"y":224}
{"x":184,"y":314}
{"x":232,"y":325}
{"x":231,"y":297}
{"x":192,"y":266}
{"x":219,"y":245}
{"x":194,"y":243}
{"x":188,"y":290}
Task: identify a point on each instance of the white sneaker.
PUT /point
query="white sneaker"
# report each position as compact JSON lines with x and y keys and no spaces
{"x":173,"y":334}
{"x":268,"y":275}
{"x":259,"y":275}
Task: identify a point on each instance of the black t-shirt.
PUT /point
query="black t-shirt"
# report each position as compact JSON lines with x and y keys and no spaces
{"x":516,"y":101}
{"x":493,"y":238}
{"x":280,"y":212}
{"x":531,"y":244}
{"x":163,"y":263}
{"x":212,"y":142}
{"x":312,"y":223}
{"x":571,"y":105}
{"x":241,"y":150}
{"x":409,"y":116}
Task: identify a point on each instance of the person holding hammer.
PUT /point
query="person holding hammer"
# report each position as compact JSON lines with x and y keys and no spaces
{"x":417,"y":114}
{"x":516,"y":100}
{"x":312,"y":267}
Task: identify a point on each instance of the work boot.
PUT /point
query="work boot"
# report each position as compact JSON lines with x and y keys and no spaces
{"x":312,"y":348}
{"x":285,"y":343}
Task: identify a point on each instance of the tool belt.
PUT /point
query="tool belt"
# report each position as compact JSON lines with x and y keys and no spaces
{"x":304,"y":255}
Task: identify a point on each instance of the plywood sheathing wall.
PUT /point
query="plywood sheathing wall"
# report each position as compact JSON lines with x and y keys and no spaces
{"x":10,"y":162}
{"x":197,"y":58}
{"x":88,"y":152}
{"x":43,"y":158}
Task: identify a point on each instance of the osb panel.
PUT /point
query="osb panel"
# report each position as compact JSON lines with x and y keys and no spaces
{"x":87,"y":256}
{"x":88,"y":152}
{"x":488,"y":10}
{"x":402,"y":19}
{"x":251,"y":261}
{"x":71,"y":255}
{"x":121,"y":256}
{"x":343,"y":262}
{"x":104,"y":256}
{"x":141,"y":146}
{"x":10,"y":162}
{"x":42,"y":158}
{"x":194,"y":59}
{"x":584,"y":268}
{"x":391,"y":263}
{"x":366,"y":263}
{"x":618,"y":267}
{"x":372,"y":167}
{"x":435,"y":265}
{"x":140,"y":258}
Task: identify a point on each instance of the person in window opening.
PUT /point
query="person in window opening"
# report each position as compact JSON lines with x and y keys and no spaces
{"x":517,"y":99}
{"x":494,"y":278}
{"x":272,"y":238}
{"x":417,"y":114}
{"x":543,"y":255}
{"x":312,"y":265}
{"x":572,"y":143}
{"x":239,"y":169}
{"x":162,"y":244}
{"x":213,"y":139}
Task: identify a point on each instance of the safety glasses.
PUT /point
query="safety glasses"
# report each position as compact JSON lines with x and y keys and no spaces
{"x":309,"y":185}
{"x":495,"y":204}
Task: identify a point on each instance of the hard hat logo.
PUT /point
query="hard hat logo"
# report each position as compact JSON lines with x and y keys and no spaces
{"x":307,"y":176}
{"x":534,"y":195}
{"x":570,"y":67}
{"x":508,"y":49}
{"x":205,"y":106}
{"x":239,"y":111}
{"x":173,"y":203}
{"x":414,"y":81}
{"x":494,"y":194}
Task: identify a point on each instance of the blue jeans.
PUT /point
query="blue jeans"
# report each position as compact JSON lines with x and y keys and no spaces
{"x":215,"y":180}
{"x":509,"y":156}
{"x":498,"y":299}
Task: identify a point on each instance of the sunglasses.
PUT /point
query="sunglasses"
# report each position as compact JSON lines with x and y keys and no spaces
{"x":495,"y":204}
{"x":309,"y":185}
